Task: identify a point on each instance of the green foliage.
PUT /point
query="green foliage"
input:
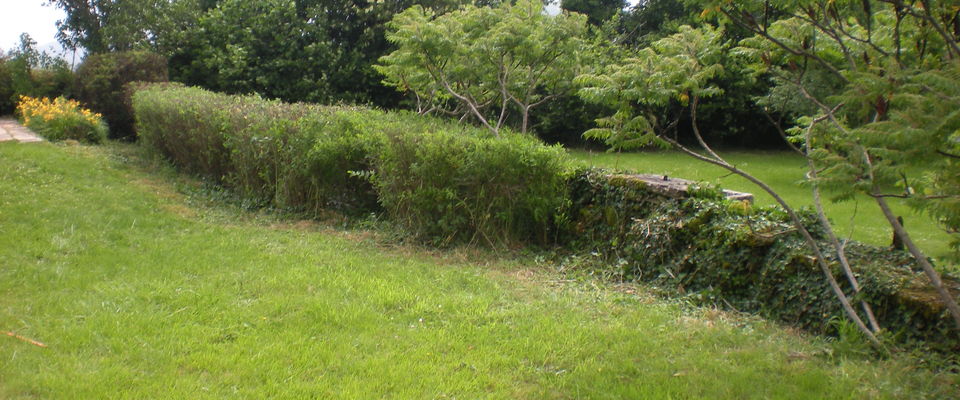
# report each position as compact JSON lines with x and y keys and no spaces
{"x":487,"y":61}
{"x":597,"y":11}
{"x":650,"y":20}
{"x":71,"y":126}
{"x":442,"y":181}
{"x":750,"y":259}
{"x":251,"y":45}
{"x":26,"y":71}
{"x":243,"y":47}
{"x":256,"y":47}
{"x":7,"y":94}
{"x":457,"y":186}
{"x":101,"y":85}
{"x":784,"y":171}
{"x":679,"y":68}
{"x":257,"y":147}
{"x":875,"y":82}
{"x":123,"y":25}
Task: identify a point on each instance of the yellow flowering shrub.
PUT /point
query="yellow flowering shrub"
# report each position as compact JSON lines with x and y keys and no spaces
{"x":61,"y":119}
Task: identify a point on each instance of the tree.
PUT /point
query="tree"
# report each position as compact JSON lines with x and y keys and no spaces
{"x":682,"y":68}
{"x":881,"y":93}
{"x":27,"y":71}
{"x":597,"y":11}
{"x":485,"y":60}
{"x":117,"y":25}
{"x":650,"y":20}
{"x":882,"y":79}
{"x":295,"y":50}
{"x":261,"y":46}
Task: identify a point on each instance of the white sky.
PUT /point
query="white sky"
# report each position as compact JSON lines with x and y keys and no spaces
{"x":30,"y":16}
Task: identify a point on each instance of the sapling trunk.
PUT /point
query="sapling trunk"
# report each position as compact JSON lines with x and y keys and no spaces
{"x":828,"y":228}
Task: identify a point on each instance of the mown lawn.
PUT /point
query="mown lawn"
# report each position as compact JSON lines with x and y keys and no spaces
{"x":142,"y":291}
{"x":784,"y":171}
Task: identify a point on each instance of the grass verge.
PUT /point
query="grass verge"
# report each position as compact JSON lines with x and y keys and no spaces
{"x":142,"y":292}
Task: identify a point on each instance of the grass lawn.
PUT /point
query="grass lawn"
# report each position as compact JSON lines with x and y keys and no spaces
{"x":142,"y":291}
{"x":783,"y":171}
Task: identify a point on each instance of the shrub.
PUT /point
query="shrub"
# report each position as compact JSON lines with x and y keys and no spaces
{"x":101,"y":81}
{"x":444,"y":182}
{"x":7,"y":99}
{"x":61,"y":119}
{"x":18,"y":78}
{"x":749,"y":259}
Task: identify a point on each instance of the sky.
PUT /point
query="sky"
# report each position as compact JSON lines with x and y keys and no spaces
{"x":30,"y":16}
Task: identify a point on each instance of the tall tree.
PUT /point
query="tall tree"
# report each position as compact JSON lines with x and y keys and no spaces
{"x":116,"y":25}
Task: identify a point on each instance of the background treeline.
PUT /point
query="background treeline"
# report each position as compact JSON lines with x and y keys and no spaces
{"x":324,"y":51}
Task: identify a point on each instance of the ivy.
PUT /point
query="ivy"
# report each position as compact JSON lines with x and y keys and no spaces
{"x":751,"y":259}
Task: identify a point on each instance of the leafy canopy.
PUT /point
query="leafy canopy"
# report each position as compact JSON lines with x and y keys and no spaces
{"x":485,"y":61}
{"x":680,"y":67}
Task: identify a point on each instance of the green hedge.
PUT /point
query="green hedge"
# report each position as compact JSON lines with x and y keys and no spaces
{"x":730,"y":254}
{"x":443,"y":182}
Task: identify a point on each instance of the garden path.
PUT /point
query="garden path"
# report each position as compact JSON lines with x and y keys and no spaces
{"x":10,"y":129}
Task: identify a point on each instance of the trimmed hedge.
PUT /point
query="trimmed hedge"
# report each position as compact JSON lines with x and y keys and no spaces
{"x":101,"y":82}
{"x":752,"y":260}
{"x":442,"y":181}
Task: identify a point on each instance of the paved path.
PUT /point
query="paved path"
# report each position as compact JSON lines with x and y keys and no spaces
{"x":10,"y":129}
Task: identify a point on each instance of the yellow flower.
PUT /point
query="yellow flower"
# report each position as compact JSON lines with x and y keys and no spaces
{"x":32,"y":109}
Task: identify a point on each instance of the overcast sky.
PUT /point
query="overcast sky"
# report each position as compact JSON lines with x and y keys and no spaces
{"x":30,"y":16}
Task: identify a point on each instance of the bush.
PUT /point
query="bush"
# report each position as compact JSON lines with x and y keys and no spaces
{"x":444,"y":182}
{"x":7,"y":103}
{"x":101,"y":80}
{"x":61,"y":119}
{"x":752,"y":260}
{"x":17,"y":79}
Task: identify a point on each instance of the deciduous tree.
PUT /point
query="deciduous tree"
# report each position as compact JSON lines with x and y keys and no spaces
{"x":486,"y":60}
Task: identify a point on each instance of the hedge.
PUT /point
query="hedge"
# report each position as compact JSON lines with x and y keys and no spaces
{"x":442,"y":181}
{"x":749,"y":259}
